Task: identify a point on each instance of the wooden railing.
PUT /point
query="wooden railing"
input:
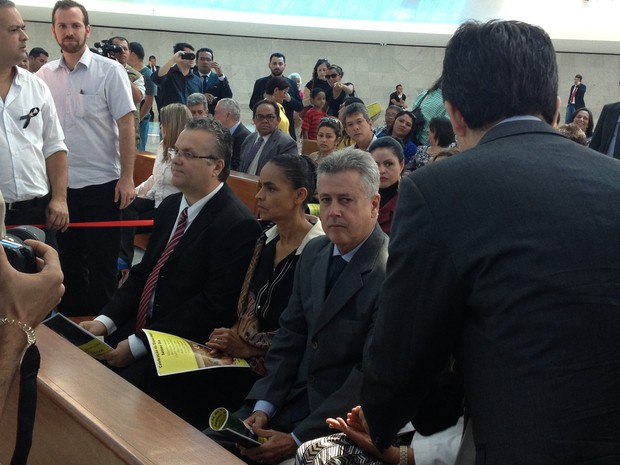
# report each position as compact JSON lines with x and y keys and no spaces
{"x":87,"y":414}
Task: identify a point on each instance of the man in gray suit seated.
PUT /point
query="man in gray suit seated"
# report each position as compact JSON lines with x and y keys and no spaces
{"x":268,"y":141}
{"x":314,"y":361}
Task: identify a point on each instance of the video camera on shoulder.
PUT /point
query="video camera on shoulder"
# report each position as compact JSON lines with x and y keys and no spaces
{"x":20,"y":254}
{"x":106,"y":49}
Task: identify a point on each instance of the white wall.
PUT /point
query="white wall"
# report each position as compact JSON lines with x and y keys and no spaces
{"x":374,"y":69}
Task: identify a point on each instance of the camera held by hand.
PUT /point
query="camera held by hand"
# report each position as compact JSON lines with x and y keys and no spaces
{"x":21,"y":255}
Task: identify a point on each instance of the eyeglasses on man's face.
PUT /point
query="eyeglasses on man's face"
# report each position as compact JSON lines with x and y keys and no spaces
{"x":260,"y":117}
{"x":332,"y":76}
{"x":188,"y":155}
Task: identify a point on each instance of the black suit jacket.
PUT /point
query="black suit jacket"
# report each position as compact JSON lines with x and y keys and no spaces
{"x":239,"y":136}
{"x":605,"y":127}
{"x":508,"y":256}
{"x":218,"y":88}
{"x":289,"y":107}
{"x":199,"y":285}
{"x":579,"y":95}
{"x":315,"y":358}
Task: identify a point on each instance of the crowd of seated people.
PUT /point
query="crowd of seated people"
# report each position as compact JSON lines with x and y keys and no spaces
{"x":211,"y":274}
{"x":286,"y":183}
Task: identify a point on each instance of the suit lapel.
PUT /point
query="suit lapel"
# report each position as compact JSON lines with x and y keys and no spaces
{"x":268,"y":148}
{"x":165,"y":224}
{"x":245,"y":160}
{"x":200,"y":222}
{"x":348,"y":283}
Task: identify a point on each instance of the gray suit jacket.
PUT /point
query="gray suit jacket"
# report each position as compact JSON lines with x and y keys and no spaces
{"x":507,"y":255}
{"x":279,"y":142}
{"x":314,"y":361}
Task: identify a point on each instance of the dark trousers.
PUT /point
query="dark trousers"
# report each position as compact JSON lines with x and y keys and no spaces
{"x":139,"y":209}
{"x":570,"y":111}
{"x":33,"y":214}
{"x":195,"y":394}
{"x":89,"y":255}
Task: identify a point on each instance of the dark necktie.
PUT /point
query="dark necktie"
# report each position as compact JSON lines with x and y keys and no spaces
{"x":151,"y":281}
{"x":204,"y":83}
{"x":336,"y":266}
{"x":617,"y":145}
{"x":254,"y":150}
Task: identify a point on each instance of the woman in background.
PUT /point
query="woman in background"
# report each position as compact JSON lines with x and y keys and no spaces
{"x":388,"y":154}
{"x":338,"y":90}
{"x":584,"y":119}
{"x":440,"y":137}
{"x":318,"y":80}
{"x":328,"y":137}
{"x":402,"y":129}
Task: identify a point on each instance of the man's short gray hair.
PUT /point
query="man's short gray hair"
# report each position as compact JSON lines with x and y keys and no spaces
{"x":231,"y":106}
{"x":197,"y":99}
{"x":353,"y":109}
{"x":351,"y":159}
{"x":223,"y":140}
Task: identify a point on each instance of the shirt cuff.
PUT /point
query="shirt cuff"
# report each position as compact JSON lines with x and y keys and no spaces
{"x":107,"y":322}
{"x":136,"y":346}
{"x":222,"y":77}
{"x":265,"y":406}
{"x":295,"y":439}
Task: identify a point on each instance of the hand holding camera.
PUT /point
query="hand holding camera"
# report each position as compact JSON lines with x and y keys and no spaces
{"x":28,"y":295}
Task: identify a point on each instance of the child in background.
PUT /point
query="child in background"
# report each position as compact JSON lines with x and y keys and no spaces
{"x":310,"y":126}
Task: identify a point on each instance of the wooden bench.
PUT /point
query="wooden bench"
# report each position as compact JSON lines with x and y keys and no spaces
{"x":245,"y":186}
{"x":309,"y":146}
{"x":143,"y":166}
{"x":142,"y":170}
{"x":87,"y":414}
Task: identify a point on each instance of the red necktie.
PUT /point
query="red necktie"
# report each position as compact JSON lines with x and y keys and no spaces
{"x":572,"y":96}
{"x":151,"y":281}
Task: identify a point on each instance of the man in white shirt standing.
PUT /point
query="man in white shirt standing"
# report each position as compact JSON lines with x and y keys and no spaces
{"x":95,"y":105}
{"x":33,"y":156}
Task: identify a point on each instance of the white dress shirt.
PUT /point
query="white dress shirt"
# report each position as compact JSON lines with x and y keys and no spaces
{"x":23,"y":151}
{"x":89,"y":99}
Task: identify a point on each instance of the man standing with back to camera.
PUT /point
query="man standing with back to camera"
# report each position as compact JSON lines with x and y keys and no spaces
{"x":95,"y":108}
{"x":516,"y":265}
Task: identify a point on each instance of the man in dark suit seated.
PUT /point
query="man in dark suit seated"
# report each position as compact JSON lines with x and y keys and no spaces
{"x":268,"y":140}
{"x":313,"y":365}
{"x":507,"y":256}
{"x":189,"y":280}
{"x":228,"y":113}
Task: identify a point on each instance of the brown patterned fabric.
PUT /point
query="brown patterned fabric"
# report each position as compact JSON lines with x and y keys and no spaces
{"x":248,"y":327}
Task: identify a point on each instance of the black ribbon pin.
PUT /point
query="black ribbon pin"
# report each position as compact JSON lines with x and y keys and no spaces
{"x":31,"y":114}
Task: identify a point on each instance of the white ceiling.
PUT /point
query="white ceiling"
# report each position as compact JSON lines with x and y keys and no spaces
{"x":574,"y":25}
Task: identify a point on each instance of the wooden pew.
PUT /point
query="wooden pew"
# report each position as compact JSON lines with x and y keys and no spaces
{"x":142,"y":169}
{"x":143,"y":166}
{"x":87,"y":414}
{"x":309,"y":146}
{"x":245,"y":186}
